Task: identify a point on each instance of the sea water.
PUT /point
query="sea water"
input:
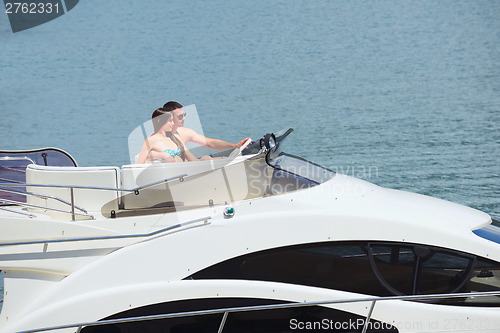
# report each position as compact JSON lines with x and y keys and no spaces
{"x":402,"y":94}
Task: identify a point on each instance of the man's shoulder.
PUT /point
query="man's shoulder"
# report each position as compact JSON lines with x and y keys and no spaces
{"x":189,"y":135}
{"x":186,"y":132}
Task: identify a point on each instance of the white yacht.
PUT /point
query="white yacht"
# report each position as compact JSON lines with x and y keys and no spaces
{"x":263,"y":242}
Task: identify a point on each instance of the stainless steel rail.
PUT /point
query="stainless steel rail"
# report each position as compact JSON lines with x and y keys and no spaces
{"x":156,"y":232}
{"x":16,"y":212}
{"x":135,"y":190}
{"x":24,"y":204}
{"x":227,"y":311}
{"x":22,"y":158}
{"x":41,"y":196}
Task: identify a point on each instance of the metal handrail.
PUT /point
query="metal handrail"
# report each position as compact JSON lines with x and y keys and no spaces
{"x":72,"y":188}
{"x":23,"y":158}
{"x":227,"y":311}
{"x":153,"y":233}
{"x":17,"y":212}
{"x":25,"y":204}
{"x":41,"y":196}
{"x":135,"y":189}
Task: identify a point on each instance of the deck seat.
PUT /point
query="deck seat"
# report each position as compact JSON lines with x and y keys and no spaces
{"x":91,"y":200}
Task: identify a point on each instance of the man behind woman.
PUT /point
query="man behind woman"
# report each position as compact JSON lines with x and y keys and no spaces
{"x":168,"y":142}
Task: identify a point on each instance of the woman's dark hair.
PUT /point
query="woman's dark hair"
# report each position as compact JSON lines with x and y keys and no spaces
{"x":159,"y":117}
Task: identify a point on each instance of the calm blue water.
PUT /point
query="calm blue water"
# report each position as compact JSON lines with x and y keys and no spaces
{"x":404,"y":94}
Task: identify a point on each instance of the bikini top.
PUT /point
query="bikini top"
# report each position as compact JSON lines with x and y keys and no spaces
{"x":174,"y":152}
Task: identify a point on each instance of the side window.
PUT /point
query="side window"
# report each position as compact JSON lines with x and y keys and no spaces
{"x":484,"y":277}
{"x":343,"y":266}
{"x":370,"y":268}
{"x":393,"y":266}
{"x":406,"y":269}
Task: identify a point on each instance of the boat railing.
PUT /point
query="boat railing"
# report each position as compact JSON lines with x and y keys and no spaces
{"x":226,"y":311}
{"x":175,"y":227}
{"x":5,"y":187}
{"x":17,"y":158}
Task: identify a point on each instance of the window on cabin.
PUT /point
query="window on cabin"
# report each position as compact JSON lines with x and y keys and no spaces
{"x":371,"y":268}
{"x":420,"y":270}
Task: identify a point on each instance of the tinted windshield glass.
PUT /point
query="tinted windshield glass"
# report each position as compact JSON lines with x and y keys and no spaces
{"x":295,"y":165}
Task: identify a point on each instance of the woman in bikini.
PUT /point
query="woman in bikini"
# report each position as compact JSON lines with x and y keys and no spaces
{"x":163,"y":144}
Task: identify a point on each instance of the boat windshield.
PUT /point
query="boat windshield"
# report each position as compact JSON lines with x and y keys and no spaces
{"x":296,"y":166}
{"x":270,"y":172}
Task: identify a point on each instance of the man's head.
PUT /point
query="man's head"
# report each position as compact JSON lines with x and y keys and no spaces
{"x":179,"y":115}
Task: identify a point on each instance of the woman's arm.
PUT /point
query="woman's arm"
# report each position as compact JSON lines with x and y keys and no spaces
{"x":149,"y":153}
{"x":144,"y":153}
{"x":162,"y":156}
